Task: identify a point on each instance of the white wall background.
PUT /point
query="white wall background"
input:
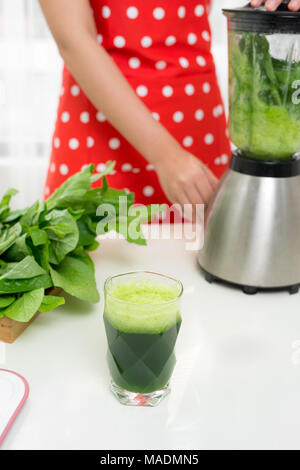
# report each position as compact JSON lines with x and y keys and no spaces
{"x":30,"y":70}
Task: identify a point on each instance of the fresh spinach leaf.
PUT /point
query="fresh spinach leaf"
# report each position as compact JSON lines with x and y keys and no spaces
{"x":38,"y":236}
{"x":15,"y":286}
{"x":6,"y":300}
{"x":26,"y":306}
{"x":18,"y":250}
{"x":87,"y":233}
{"x":50,"y":302}
{"x":70,"y":193}
{"x":41,"y":254}
{"x":9,"y":236}
{"x":47,"y":244}
{"x":25,"y":269}
{"x":13,"y":216}
{"x":63,"y":234}
{"x":75,"y":275}
{"x":32,"y":214}
{"x":7,"y":197}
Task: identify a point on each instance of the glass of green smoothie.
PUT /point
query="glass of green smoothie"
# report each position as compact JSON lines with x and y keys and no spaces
{"x":142,"y":321}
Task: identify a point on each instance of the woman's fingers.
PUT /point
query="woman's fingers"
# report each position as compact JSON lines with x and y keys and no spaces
{"x":186,"y":206}
{"x":190,"y":207}
{"x":272,"y":5}
{"x":294,"y":5}
{"x":213,"y":180}
{"x":256,"y":3}
{"x":204,"y":188}
{"x":193,"y":195}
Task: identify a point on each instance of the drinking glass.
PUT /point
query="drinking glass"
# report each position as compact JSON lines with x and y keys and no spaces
{"x":142,"y":321}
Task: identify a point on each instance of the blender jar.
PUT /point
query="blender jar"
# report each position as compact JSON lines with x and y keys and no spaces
{"x":264,"y":81}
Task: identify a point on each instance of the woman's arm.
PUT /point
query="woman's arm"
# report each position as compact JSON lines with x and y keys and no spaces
{"x":272,"y":5}
{"x":183,"y":177}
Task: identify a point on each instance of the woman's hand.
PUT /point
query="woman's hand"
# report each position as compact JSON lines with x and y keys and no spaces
{"x":272,"y":5}
{"x":185,"y":180}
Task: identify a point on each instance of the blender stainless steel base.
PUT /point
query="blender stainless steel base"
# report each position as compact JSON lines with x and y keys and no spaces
{"x":252,"y":228}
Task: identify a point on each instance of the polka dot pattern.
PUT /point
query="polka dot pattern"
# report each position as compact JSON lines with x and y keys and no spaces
{"x":148,"y":191}
{"x":200,"y":61}
{"x":132,"y":13}
{"x":184,"y":62}
{"x":100,"y":167}
{"x":75,"y":90}
{"x":167,"y":91}
{"x":134,"y":62}
{"x":64,"y":169}
{"x":126,"y":167}
{"x":65,"y":117}
{"x":56,"y":143}
{"x":160,"y":64}
{"x":206,"y":88}
{"x":106,"y":12}
{"x":170,"y":41}
{"x":159,"y":13}
{"x":90,"y":142}
{"x":165,"y":54}
{"x":114,"y":143}
{"x":73,"y":144}
{"x":189,"y":89}
{"x":181,"y":12}
{"x":119,"y":42}
{"x":206,"y":36}
{"x":85,"y":117}
{"x":199,"y":10}
{"x":178,"y":116}
{"x":188,"y":141}
{"x":218,"y":111}
{"x":100,"y":117}
{"x":142,"y":91}
{"x":208,"y":139}
{"x":199,"y":115}
{"x":146,"y":41}
{"x":192,"y":39}
{"x":222,"y":160}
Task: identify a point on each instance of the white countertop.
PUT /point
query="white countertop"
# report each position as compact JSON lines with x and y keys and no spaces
{"x":236,"y":383}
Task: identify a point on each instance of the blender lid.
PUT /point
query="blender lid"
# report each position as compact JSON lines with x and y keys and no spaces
{"x":260,"y":20}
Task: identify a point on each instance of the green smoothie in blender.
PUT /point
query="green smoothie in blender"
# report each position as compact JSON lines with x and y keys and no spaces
{"x":264,"y":101}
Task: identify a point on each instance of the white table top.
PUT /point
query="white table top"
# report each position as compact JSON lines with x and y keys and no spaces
{"x":236,"y":383}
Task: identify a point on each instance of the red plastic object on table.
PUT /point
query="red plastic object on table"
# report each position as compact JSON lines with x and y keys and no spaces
{"x":14,"y":391}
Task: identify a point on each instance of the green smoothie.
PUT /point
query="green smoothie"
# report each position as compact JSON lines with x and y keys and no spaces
{"x":142,"y":321}
{"x":264,"y":109}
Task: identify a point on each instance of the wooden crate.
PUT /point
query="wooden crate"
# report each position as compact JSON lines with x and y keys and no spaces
{"x":10,"y":330}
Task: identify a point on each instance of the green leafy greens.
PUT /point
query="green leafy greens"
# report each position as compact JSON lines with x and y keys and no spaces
{"x":264,"y":118}
{"x":46,"y":245}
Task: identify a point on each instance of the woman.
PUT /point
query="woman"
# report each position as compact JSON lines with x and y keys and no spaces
{"x":139,"y":87}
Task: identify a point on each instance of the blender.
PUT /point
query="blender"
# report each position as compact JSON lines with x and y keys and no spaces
{"x":252,"y":226}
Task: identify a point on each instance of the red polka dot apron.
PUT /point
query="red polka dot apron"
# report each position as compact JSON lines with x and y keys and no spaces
{"x":163,"y":49}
